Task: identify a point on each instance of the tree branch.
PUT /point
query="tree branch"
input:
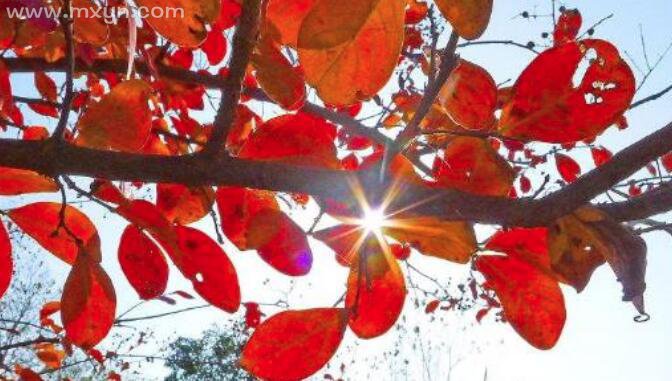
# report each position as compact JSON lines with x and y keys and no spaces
{"x":244,"y":41}
{"x":26,"y":343}
{"x":446,"y":204}
{"x":68,"y":25}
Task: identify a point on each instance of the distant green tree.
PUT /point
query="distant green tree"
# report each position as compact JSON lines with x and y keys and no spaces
{"x":214,"y":356}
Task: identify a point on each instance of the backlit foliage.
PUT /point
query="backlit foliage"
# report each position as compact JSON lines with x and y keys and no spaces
{"x":468,"y":137}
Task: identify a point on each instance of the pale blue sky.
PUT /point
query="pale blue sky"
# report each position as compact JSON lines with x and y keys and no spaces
{"x":600,"y":340}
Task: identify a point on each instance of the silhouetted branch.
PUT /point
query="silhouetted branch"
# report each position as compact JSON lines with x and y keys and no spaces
{"x":243,"y":42}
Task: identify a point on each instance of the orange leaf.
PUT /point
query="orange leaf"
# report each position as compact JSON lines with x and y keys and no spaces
{"x":349,"y":48}
{"x":41,"y":221}
{"x":470,"y":18}
{"x":6,"y":263}
{"x":576,"y":249}
{"x":471,"y":165}
{"x":376,"y":291}
{"x":470,"y":96}
{"x":546,"y":106}
{"x":50,"y":355}
{"x":301,"y":139}
{"x":88,"y":303}
{"x":90,"y":30}
{"x":293,"y":345}
{"x":20,"y":181}
{"x":450,"y":240}
{"x":281,"y":81}
{"x":189,"y":29}
{"x":237,"y":207}
{"x":206,"y":265}
{"x":280,"y":242}
{"x":143,"y":263}
{"x":46,"y":86}
{"x":184,"y":205}
{"x":286,"y":18}
{"x":121,"y":121}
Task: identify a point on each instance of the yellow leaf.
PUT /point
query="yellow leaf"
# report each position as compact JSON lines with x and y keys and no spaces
{"x":450,"y":240}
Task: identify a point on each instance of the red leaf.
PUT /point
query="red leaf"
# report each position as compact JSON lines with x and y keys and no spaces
{"x":237,"y":207}
{"x":41,"y":221}
{"x":143,"y":263}
{"x":88,"y":303}
{"x":667,"y":161}
{"x":532,"y":301}
{"x":44,"y":109}
{"x":49,"y":309}
{"x":106,"y":191}
{"x":293,"y":345}
{"x":600,"y":155}
{"x":376,"y":291}
{"x":206,"y":265}
{"x":401,"y":252}
{"x":284,"y":83}
{"x":567,"y":167}
{"x":46,"y":86}
{"x":301,"y":139}
{"x":471,"y":165}
{"x":343,"y":240}
{"x":252,"y":315}
{"x":546,"y":105}
{"x":525,"y":184}
{"x":280,"y":242}
{"x":470,"y":96}
{"x":6,"y":263}
{"x":432,"y":306}
{"x":184,"y":205}
{"x":215,"y":45}
{"x":567,"y":27}
{"x":35,"y":133}
{"x":20,"y":181}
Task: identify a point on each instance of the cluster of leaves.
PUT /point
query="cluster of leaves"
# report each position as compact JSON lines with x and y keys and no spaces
{"x":347,"y":51}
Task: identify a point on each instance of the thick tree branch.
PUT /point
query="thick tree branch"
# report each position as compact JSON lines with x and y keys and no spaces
{"x":446,"y":204}
{"x":244,"y":41}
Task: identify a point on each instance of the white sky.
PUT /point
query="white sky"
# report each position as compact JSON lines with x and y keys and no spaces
{"x":600,"y":340}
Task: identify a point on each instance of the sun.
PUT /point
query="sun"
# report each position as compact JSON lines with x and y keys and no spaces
{"x":373,"y":220}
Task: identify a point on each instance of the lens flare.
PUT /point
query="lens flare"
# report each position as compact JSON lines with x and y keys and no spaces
{"x":373,"y":220}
